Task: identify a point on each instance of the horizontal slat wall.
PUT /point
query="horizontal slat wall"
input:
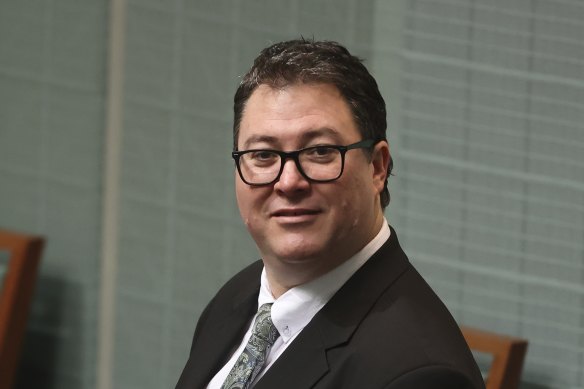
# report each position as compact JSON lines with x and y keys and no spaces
{"x":489,"y":192}
{"x":485,"y":123}
{"x":52,"y":71}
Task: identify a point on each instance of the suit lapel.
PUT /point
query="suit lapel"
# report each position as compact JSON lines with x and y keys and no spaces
{"x":226,"y":335}
{"x":305,"y":361}
{"x":222,"y":333}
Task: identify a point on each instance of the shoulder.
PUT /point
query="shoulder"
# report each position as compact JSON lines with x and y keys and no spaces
{"x":240,"y":288}
{"x":247,"y":280}
{"x":404,"y":333}
{"x":238,"y":297}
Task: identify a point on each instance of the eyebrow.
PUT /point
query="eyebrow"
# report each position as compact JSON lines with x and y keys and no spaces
{"x":259,"y":139}
{"x":305,"y":137}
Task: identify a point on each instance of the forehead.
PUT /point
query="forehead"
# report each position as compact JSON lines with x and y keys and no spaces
{"x":295,"y":112}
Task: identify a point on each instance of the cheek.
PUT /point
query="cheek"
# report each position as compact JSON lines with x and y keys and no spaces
{"x":343,"y":202}
{"x":354,"y":199}
{"x":246,"y":212}
{"x":250,"y":202}
{"x":243,"y":202}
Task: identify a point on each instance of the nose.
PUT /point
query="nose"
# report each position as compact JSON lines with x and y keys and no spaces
{"x":291,"y":180}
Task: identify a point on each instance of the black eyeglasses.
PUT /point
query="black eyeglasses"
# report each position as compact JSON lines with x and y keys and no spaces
{"x":322,"y":163}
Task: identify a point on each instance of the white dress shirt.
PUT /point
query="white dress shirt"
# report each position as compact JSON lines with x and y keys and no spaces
{"x":293,"y":310}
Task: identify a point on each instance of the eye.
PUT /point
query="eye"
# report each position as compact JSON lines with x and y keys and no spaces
{"x":321,"y":151}
{"x":262,"y":155}
{"x":320,"y":154}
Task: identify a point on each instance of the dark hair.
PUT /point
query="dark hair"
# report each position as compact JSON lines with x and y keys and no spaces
{"x":308,"y":61}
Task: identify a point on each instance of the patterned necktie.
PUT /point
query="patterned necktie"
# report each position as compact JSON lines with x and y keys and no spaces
{"x":253,"y":357}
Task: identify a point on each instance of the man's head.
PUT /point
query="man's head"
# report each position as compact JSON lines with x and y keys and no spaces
{"x":309,"y":185}
{"x":308,"y":62}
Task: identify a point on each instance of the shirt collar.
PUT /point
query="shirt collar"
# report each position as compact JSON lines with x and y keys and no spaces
{"x":292,"y":311}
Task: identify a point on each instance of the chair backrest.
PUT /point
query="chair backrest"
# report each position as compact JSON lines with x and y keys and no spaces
{"x":21,"y":254}
{"x":508,"y":354}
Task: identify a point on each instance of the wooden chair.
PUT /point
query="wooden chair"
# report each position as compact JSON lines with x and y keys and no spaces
{"x":16,"y":289}
{"x":508,"y":355}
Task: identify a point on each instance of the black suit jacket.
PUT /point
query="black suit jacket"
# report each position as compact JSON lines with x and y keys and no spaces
{"x":385,"y":328}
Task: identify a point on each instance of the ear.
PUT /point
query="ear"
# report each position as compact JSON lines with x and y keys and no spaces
{"x":380,"y":161}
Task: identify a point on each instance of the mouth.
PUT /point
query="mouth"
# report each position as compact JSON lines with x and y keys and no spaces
{"x":295,"y":216}
{"x":294,"y":212}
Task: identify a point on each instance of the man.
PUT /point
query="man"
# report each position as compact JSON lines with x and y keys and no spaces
{"x":333,"y":302}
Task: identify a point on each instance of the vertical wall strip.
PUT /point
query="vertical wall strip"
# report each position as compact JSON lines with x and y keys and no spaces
{"x":111,"y":190}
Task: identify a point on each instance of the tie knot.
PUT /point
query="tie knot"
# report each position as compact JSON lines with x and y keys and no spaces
{"x":265,"y":309}
{"x":264,"y":327}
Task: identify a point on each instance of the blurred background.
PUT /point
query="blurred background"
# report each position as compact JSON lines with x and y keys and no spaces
{"x":486,"y":126}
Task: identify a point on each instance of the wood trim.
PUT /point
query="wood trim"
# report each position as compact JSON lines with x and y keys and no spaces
{"x":16,"y":294}
{"x":508,"y":356}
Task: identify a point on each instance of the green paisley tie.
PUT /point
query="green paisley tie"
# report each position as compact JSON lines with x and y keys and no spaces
{"x":253,"y":357}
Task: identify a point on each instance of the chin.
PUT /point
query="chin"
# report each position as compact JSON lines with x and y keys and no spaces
{"x":300,"y":246}
{"x":295,"y":255}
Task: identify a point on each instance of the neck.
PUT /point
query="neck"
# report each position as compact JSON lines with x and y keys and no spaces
{"x":289,"y":276}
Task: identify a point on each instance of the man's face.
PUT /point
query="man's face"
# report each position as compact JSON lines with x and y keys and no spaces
{"x":300,"y":226}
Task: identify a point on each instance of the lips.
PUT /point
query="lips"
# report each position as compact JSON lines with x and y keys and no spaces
{"x":294,"y":212}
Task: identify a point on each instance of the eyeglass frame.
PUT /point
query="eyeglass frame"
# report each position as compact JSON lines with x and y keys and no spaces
{"x":293,"y":155}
